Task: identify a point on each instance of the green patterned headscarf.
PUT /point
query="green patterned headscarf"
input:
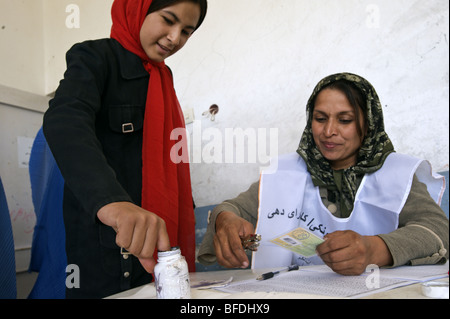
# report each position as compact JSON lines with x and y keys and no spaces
{"x":343,"y":185}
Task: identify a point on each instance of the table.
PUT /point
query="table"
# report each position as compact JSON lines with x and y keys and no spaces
{"x":413,"y":291}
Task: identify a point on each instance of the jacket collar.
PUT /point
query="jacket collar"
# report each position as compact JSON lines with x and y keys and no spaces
{"x":131,"y":66}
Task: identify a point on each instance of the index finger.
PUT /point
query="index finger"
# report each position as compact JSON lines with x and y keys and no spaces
{"x":162,"y":244}
{"x":163,"y":241}
{"x":238,"y":250}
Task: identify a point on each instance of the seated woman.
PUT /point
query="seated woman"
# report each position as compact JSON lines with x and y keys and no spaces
{"x":346,"y":185}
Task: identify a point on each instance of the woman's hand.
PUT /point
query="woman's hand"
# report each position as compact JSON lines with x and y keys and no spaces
{"x":138,"y":231}
{"x":348,"y":253}
{"x":230,"y":230}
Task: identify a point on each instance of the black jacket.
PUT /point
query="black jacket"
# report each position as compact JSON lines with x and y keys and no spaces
{"x":94,"y":128}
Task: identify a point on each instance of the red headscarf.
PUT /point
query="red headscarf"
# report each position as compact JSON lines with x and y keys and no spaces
{"x":166,"y":186}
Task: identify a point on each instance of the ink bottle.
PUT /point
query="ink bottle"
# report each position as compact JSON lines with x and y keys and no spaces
{"x":172,"y":275}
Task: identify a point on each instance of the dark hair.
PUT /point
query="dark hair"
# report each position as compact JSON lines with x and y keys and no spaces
{"x":355,"y":97}
{"x":161,"y":4}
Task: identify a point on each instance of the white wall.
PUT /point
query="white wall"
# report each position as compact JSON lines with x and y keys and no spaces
{"x":21,"y":41}
{"x":35,"y":35}
{"x":259,"y":61}
{"x":18,"y":128}
{"x":66,"y":23}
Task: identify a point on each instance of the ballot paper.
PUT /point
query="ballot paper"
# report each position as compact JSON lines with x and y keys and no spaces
{"x":299,"y":241}
{"x":314,"y":283}
{"x":321,"y":280}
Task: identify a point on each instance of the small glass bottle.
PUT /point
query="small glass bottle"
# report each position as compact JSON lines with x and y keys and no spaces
{"x":172,"y":275}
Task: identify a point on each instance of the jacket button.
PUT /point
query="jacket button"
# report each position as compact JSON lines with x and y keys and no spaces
{"x":126,"y":274}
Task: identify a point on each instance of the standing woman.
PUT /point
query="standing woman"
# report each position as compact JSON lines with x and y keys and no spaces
{"x":109,"y":129}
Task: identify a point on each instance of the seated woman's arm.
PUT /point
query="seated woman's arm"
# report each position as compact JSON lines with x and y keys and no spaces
{"x":422,"y":235}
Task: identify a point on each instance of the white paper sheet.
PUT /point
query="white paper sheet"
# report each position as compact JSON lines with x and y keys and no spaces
{"x":321,"y":280}
{"x":417,"y":273}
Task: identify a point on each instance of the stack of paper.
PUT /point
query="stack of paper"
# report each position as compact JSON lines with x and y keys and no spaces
{"x":321,"y":280}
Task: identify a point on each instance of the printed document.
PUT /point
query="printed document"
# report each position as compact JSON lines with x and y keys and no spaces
{"x":321,"y":280}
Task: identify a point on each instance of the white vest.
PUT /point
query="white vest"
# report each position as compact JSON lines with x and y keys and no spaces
{"x":289,"y":199}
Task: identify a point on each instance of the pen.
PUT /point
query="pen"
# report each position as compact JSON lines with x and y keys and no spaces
{"x":273,"y":273}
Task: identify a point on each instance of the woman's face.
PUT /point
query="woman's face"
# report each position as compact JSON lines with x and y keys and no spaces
{"x":334,"y":128}
{"x":166,"y":31}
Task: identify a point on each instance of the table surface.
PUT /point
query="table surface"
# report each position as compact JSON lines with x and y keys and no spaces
{"x":412,"y":291}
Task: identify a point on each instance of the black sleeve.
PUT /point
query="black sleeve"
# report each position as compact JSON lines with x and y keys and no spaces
{"x":69,"y":127}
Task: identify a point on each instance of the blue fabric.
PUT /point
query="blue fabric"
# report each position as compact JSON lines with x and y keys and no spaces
{"x":444,"y":203}
{"x":48,"y":253}
{"x":8,"y":287}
